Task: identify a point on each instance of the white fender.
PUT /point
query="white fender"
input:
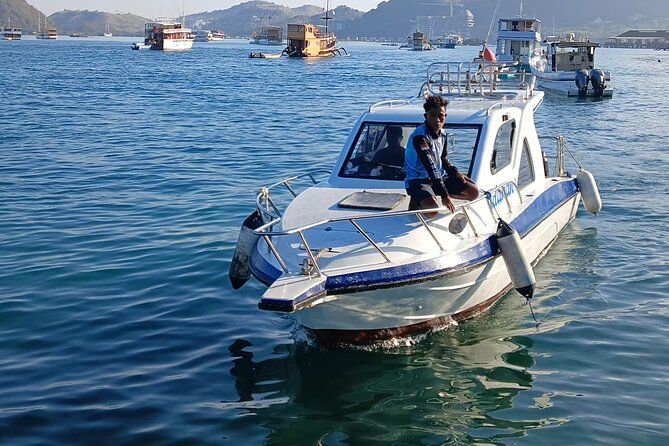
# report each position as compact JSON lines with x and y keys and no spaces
{"x":589,"y":192}
{"x":520,"y":270}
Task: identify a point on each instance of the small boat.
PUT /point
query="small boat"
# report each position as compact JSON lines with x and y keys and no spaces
{"x":518,"y":40}
{"x":341,"y":252}
{"x":167,"y":36}
{"x":306,"y":40}
{"x":78,"y":35}
{"x":261,"y":55}
{"x":418,"y":42}
{"x":568,"y":66}
{"x":203,"y":35}
{"x":140,"y":46}
{"x":217,"y":36}
{"x":9,"y":32}
{"x":451,"y":41}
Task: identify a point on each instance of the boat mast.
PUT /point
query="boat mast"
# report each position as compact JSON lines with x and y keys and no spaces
{"x":327,"y":17}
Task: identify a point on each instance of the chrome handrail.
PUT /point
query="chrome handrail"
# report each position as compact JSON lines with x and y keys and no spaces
{"x":266,"y":233}
{"x":468,"y":78}
{"x":264,"y":203}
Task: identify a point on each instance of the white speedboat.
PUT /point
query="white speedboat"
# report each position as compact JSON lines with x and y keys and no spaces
{"x":353,"y":265}
{"x":517,"y":40}
{"x":167,"y":36}
{"x":568,"y":66}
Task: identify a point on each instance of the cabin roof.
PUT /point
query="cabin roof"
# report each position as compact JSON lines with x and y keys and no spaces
{"x":572,"y":44}
{"x":470,"y":109}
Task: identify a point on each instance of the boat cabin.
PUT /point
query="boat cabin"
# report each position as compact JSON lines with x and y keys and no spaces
{"x":570,"y":55}
{"x":306,"y":40}
{"x":517,"y":39}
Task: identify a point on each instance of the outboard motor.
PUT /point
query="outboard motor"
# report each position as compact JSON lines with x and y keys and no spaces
{"x":598,"y":80}
{"x":514,"y":257}
{"x":582,"y":78}
{"x":240,"y":268}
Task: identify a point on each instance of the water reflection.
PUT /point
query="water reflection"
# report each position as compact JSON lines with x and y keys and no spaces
{"x":447,"y":389}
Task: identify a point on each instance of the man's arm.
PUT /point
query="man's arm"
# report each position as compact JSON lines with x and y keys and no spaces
{"x":422,"y":147}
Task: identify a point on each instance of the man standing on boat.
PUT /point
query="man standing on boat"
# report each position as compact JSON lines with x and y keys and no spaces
{"x":428,"y":172}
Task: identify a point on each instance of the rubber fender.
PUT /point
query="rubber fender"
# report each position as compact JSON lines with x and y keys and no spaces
{"x":592,"y":201}
{"x":240,"y":268}
{"x":520,"y":270}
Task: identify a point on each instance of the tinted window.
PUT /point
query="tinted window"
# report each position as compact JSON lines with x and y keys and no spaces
{"x":526,"y":173}
{"x":378,"y":151}
{"x":501,"y":155}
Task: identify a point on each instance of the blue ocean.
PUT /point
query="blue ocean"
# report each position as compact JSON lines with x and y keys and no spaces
{"x":124,"y":178}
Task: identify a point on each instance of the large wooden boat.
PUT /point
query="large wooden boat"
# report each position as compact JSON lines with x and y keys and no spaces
{"x":307,"y":40}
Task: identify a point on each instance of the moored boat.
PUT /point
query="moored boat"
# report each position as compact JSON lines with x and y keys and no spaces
{"x":307,"y":40}
{"x":44,"y":31}
{"x":167,"y":36}
{"x":568,"y":66}
{"x":518,"y":39}
{"x":268,"y":35}
{"x":9,"y":32}
{"x":353,"y":265}
{"x":418,"y":42}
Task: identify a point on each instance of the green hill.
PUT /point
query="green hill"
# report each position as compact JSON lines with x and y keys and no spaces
{"x":20,"y":13}
{"x":94,"y":22}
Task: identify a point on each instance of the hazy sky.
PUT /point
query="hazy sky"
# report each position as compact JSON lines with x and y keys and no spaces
{"x":153,"y":8}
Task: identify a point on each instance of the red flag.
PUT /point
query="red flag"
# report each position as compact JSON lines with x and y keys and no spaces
{"x":488,"y":55}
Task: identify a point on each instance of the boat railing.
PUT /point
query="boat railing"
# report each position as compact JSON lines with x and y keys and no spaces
{"x":474,"y":78}
{"x":560,"y":169}
{"x":268,"y":208}
{"x":492,"y":197}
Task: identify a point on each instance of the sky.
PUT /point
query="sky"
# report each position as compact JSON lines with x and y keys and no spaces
{"x":168,"y":8}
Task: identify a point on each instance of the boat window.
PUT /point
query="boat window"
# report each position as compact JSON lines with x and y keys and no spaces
{"x":501,"y":154}
{"x":378,"y":152}
{"x":526,"y":173}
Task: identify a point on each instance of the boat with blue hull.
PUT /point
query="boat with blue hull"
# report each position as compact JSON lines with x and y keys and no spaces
{"x":353,"y":265}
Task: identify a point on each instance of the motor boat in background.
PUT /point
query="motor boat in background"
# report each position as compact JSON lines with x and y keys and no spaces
{"x":353,"y":265}
{"x":518,"y":40}
{"x":568,"y":66}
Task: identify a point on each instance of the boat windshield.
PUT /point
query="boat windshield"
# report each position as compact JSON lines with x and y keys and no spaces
{"x":378,"y":151}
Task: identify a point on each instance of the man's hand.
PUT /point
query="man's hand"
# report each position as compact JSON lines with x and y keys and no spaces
{"x":448,"y":203}
{"x":464,"y":178}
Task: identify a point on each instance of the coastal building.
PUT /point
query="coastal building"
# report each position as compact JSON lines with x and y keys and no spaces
{"x":640,"y":38}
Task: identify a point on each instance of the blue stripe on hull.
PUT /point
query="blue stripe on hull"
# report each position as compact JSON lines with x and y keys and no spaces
{"x":534,"y":214}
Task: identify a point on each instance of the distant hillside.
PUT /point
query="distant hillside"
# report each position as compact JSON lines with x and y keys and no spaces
{"x":94,"y":22}
{"x":595,"y":17}
{"x":242,"y":19}
{"x":20,"y":13}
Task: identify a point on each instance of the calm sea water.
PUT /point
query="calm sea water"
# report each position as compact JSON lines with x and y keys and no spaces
{"x":124,"y":177}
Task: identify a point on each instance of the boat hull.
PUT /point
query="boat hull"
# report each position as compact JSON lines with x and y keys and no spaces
{"x":568,"y":87}
{"x":374,"y":315}
{"x":174,"y":45}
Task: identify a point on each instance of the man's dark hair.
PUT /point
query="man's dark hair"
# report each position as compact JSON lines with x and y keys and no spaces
{"x":433,"y":102}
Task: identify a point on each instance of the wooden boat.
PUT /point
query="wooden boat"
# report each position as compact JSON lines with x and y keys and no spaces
{"x":306,"y":40}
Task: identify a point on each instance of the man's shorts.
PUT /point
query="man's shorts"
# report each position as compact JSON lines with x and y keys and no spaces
{"x":419,"y":190}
